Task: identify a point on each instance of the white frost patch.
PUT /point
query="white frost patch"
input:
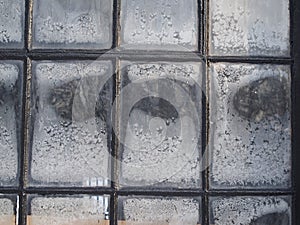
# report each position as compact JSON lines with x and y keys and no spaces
{"x":244,"y":152}
{"x":242,"y":27}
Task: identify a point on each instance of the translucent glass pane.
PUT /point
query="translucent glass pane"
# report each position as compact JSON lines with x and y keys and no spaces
{"x":10,"y":120}
{"x":159,"y":210}
{"x":72,"y":24}
{"x":73,"y":210}
{"x":12,"y":23}
{"x":159,"y":24}
{"x":160,"y":124}
{"x":251,"y":210}
{"x":250,"y":126}
{"x":242,"y":27}
{"x":70,"y":129}
{"x":7,"y":210}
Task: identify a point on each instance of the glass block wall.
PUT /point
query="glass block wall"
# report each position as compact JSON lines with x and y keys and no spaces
{"x":138,"y":112}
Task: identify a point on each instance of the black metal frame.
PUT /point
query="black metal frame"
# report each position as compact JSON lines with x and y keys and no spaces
{"x":26,"y":55}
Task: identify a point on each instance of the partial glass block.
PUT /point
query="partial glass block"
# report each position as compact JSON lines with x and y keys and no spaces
{"x":133,"y":210}
{"x":159,"y":24}
{"x":256,"y":28}
{"x":12,"y":23}
{"x":76,"y":24}
{"x":70,"y":131}
{"x":75,"y":210}
{"x":8,"y":209}
{"x":161,"y":124}
{"x":247,"y":210}
{"x":250,"y":126}
{"x":10,"y":120}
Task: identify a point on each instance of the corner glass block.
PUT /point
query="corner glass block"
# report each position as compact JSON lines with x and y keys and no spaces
{"x":76,"y":24}
{"x":161,"y":124}
{"x":12,"y":23}
{"x":70,"y":131}
{"x":8,"y":209}
{"x":73,"y":210}
{"x":159,"y":24}
{"x":246,"y":210}
{"x":10,"y":120}
{"x":158,"y":210}
{"x":249,"y":28}
{"x":250,"y":134}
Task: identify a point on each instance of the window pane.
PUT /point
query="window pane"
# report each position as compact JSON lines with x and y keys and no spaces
{"x":7,"y":210}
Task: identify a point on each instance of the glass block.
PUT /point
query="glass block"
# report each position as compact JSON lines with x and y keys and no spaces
{"x":70,"y":131}
{"x":12,"y":23}
{"x":10,"y":120}
{"x":142,"y":210}
{"x":242,"y":27}
{"x":159,"y":24}
{"x":250,"y":134}
{"x":161,"y":124}
{"x":75,"y":210}
{"x":76,"y":24}
{"x":7,"y":209}
{"x":246,"y":210}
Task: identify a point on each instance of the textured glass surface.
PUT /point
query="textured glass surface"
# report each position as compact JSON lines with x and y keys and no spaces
{"x":248,"y":210}
{"x":70,"y":135}
{"x":250,"y":125}
{"x":160,"y":124}
{"x":72,"y":24}
{"x":71,"y":210}
{"x":7,"y":214}
{"x":159,"y":24}
{"x":159,"y":210}
{"x":242,"y":27}
{"x":10,"y":109}
{"x":11,"y":23}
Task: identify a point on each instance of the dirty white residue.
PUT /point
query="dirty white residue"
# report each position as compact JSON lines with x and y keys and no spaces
{"x":242,"y":210}
{"x":241,"y":27}
{"x":172,"y":211}
{"x":159,"y":24}
{"x":6,"y":207}
{"x":244,"y":152}
{"x":11,"y":21}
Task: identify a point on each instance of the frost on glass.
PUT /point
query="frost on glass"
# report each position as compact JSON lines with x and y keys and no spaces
{"x":9,"y":121}
{"x":70,"y":124}
{"x":159,"y":24}
{"x":242,"y":27}
{"x":250,"y":125}
{"x":72,"y":24}
{"x":161,"y":124}
{"x":251,"y":210}
{"x":7,"y":214}
{"x":11,"y":23}
{"x":61,"y":210}
{"x":159,"y":210}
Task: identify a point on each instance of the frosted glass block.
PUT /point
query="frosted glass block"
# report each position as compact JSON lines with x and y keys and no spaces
{"x":7,"y":210}
{"x":10,"y":120}
{"x":242,"y":27}
{"x":159,"y":210}
{"x":81,"y":24}
{"x":159,"y":24}
{"x":161,"y":124}
{"x":250,"y":126}
{"x":70,"y":130}
{"x":248,"y":210}
{"x":12,"y":23}
{"x":62,"y":210}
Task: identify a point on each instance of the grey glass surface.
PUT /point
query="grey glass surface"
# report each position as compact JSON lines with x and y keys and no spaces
{"x":12,"y":18}
{"x":159,"y":24}
{"x":249,"y":28}
{"x":250,"y":126}
{"x":75,"y":24}
{"x":69,"y":131}
{"x":7,"y":212}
